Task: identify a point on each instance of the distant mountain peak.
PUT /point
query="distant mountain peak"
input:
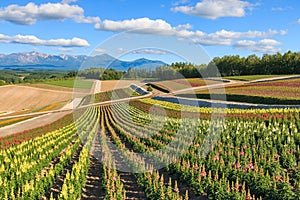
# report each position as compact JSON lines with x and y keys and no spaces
{"x":73,"y":62}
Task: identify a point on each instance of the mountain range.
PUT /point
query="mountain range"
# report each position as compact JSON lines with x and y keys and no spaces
{"x":41,"y":61}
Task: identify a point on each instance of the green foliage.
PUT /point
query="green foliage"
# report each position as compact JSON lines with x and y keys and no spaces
{"x":276,"y":64}
{"x":2,"y":82}
{"x":37,"y":76}
{"x":111,"y":74}
{"x":159,"y":87}
{"x":9,"y":77}
{"x":71,"y":83}
{"x":175,"y":70}
{"x":100,"y":73}
{"x":29,"y":76}
{"x":149,"y":88}
{"x":287,"y":63}
{"x":250,"y":77}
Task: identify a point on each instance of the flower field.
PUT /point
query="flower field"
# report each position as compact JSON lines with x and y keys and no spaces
{"x":110,"y":95}
{"x":254,"y":155}
{"x":275,"y":92}
{"x":280,"y":89}
{"x":11,"y":121}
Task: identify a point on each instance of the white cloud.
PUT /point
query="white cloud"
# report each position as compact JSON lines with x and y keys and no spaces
{"x":147,"y":26}
{"x":262,"y":46}
{"x":180,"y":2}
{"x":225,"y":37}
{"x":65,"y":49}
{"x":183,"y":32}
{"x":140,"y":25}
{"x":31,"y":13}
{"x":249,"y":34}
{"x":150,"y":51}
{"x":298,"y":21}
{"x":68,"y":1}
{"x":120,"y":50}
{"x":99,"y":50}
{"x":33,"y":40}
{"x":282,"y":8}
{"x":87,"y":20}
{"x":213,"y":9}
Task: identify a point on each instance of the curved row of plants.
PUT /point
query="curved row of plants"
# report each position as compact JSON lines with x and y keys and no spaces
{"x":249,"y":159}
{"x":29,"y":169}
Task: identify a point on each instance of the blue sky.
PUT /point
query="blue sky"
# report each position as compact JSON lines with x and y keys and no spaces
{"x":207,"y":27}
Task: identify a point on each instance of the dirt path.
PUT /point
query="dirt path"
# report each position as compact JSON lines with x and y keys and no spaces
{"x":51,"y":116}
{"x":133,"y":190}
{"x":31,"y":123}
{"x":93,"y":188}
{"x":56,"y":187}
{"x":275,"y":79}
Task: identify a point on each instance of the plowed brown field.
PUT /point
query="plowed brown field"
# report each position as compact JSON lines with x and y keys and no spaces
{"x":15,"y":98}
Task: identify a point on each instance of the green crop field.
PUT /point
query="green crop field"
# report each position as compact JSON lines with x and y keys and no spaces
{"x":81,"y":84}
{"x":250,"y":77}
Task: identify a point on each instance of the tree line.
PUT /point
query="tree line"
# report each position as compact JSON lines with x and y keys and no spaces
{"x":234,"y":65}
{"x":27,"y":76}
{"x":287,"y":63}
{"x":101,"y":73}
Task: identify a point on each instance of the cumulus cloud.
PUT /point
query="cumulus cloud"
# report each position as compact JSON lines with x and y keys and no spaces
{"x":87,"y":20}
{"x":140,"y":25}
{"x":183,"y":32}
{"x":262,"y":46}
{"x":68,"y":1}
{"x":225,"y":37}
{"x":99,"y":50}
{"x":31,"y":13}
{"x":249,"y":34}
{"x":150,"y":51}
{"x":33,"y":40}
{"x":213,"y":9}
{"x":65,"y":49}
{"x":146,"y":26}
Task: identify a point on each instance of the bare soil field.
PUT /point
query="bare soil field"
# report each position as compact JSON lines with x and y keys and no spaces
{"x":17,"y":98}
{"x":22,"y":99}
{"x":114,"y":84}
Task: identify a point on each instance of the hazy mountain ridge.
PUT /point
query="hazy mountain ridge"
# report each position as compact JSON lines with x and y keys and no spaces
{"x":36,"y":60}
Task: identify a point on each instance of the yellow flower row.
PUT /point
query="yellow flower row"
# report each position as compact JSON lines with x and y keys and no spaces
{"x":187,"y":108}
